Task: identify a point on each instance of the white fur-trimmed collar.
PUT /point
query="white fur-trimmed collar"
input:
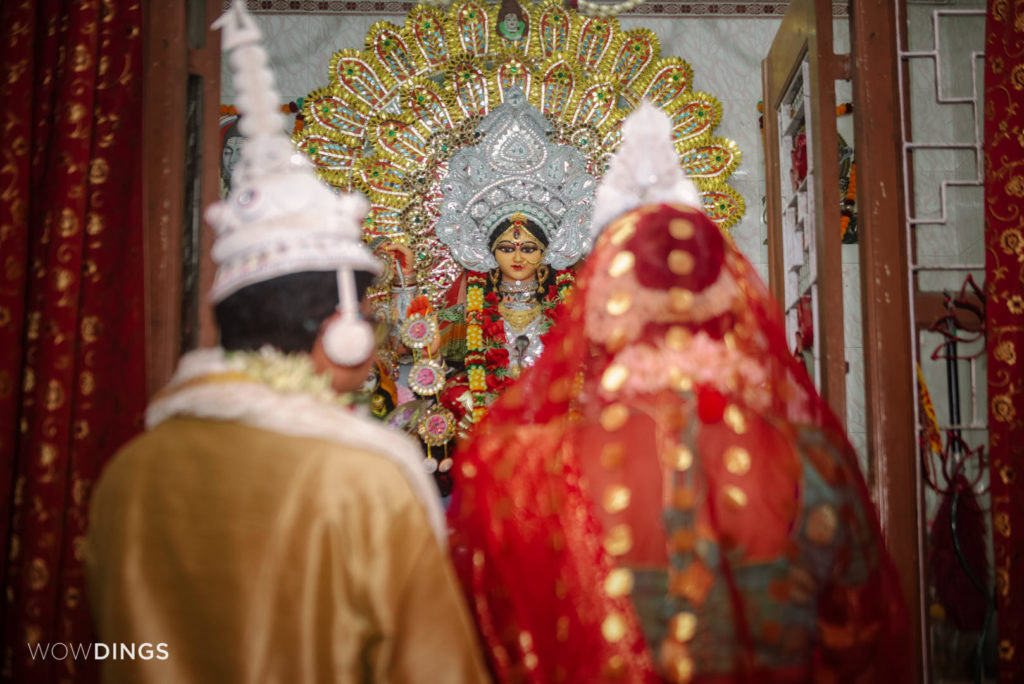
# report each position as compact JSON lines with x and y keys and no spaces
{"x":297,"y":414}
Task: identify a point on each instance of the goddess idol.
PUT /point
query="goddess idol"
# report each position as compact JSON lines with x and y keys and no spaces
{"x":513,"y":214}
{"x":479,"y":148}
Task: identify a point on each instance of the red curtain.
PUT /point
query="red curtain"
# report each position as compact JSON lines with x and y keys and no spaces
{"x":1004,"y":285}
{"x":71,"y":303}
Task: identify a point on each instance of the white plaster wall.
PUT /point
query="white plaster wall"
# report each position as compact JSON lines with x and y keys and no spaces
{"x":960,"y":239}
{"x":726,"y":57}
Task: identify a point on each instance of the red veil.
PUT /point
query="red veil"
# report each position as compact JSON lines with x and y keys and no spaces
{"x":664,"y":495}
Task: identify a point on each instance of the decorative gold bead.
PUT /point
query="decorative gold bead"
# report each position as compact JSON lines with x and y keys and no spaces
{"x":733,"y":417}
{"x":619,"y":303}
{"x":616,"y":498}
{"x":676,"y":338}
{"x":562,"y":628}
{"x":680,"y":229}
{"x":614,"y":417}
{"x":622,"y":263}
{"x":612,"y":455}
{"x":682,"y":541}
{"x":737,"y":460}
{"x":619,"y":540}
{"x":684,"y":498}
{"x":615,"y":668}
{"x":680,"y":299}
{"x":613,"y":628}
{"x":614,"y":376}
{"x":617,"y":339}
{"x":623,"y":231}
{"x":683,"y":626}
{"x":683,"y":670}
{"x":822,"y":523}
{"x":734,"y":496}
{"x":679,"y":380}
{"x":693,"y":583}
{"x":679,"y":457}
{"x":680,"y":262}
{"x":619,"y":582}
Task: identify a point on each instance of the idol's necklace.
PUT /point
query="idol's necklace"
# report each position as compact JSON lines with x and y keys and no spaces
{"x":518,"y":293}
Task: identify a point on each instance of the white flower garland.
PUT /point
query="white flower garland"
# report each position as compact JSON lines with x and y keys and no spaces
{"x":593,"y":9}
{"x":287,"y":373}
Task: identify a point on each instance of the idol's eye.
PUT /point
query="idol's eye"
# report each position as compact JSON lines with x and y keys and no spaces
{"x":506,"y":249}
{"x":528,"y":249}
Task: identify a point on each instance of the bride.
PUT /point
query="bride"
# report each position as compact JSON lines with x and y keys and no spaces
{"x":664,"y":496}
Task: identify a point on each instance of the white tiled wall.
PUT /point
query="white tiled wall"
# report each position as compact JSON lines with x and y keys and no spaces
{"x":853,"y":336}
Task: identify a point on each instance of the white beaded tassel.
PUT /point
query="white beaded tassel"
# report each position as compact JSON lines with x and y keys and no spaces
{"x":348,"y":340}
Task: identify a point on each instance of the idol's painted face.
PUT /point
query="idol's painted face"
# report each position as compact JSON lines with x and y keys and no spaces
{"x":518,"y":254}
{"x":230,"y":154}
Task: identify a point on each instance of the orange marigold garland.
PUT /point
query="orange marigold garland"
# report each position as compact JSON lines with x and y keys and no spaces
{"x":475,"y":369}
{"x":294,"y":107}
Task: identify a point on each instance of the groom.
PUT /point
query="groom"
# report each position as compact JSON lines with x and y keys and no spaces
{"x":262,"y":529}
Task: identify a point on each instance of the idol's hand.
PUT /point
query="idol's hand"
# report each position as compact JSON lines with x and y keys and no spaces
{"x":400,"y":253}
{"x":434,"y":346}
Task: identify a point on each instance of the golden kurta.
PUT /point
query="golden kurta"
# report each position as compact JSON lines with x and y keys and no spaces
{"x":260,"y":556}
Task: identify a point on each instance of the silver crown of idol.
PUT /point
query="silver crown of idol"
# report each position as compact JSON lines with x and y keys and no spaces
{"x":516,"y":169}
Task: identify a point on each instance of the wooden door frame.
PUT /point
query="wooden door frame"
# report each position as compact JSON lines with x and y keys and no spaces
{"x":885,"y":303}
{"x":169,"y":61}
{"x":807,"y":30}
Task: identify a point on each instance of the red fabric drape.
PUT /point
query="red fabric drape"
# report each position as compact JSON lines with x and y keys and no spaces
{"x":664,"y":491}
{"x":71,"y":302}
{"x":1004,"y":284}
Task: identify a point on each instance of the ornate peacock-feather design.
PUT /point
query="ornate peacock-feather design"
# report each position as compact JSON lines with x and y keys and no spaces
{"x":394,"y":114}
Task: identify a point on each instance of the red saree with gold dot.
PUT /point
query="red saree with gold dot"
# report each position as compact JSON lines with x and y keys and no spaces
{"x":664,"y":496}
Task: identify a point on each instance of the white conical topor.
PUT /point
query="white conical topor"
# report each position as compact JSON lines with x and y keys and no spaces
{"x":644,"y":170}
{"x":279,"y":217}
